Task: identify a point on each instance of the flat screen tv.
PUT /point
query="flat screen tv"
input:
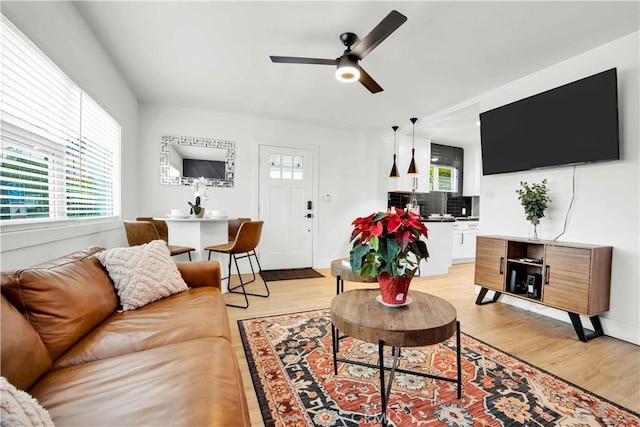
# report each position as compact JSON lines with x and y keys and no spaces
{"x":571,"y":124}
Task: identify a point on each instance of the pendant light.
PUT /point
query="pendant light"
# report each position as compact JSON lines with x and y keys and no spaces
{"x":413,"y":170}
{"x":394,"y":169}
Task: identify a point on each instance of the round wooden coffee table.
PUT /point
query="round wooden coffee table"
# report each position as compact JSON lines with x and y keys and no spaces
{"x":426,"y":320}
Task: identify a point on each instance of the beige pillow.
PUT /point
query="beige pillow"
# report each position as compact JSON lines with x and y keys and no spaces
{"x":20,"y":409}
{"x":142,"y":274}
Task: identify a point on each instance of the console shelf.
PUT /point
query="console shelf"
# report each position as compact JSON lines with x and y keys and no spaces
{"x":572,"y":277}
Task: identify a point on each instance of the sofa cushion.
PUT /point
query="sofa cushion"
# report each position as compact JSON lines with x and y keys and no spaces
{"x":142,"y":274}
{"x":63,"y":299}
{"x":24,"y":356}
{"x":193,"y":383}
{"x":196,"y":313}
{"x":18,"y":408}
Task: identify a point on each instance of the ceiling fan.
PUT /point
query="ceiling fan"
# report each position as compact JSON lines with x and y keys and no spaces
{"x":348,"y":69}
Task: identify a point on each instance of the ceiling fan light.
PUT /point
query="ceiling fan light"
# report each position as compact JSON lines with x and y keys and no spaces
{"x":348,"y":70}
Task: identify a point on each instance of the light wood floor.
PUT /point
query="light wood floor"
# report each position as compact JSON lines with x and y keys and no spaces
{"x":605,"y":366}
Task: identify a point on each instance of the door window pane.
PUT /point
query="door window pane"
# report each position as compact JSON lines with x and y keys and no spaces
{"x":297,"y":168}
{"x":274,"y":166}
{"x":287,"y":167}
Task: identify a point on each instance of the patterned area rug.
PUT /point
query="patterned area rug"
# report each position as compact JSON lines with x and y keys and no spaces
{"x":291,"y":364}
{"x":290,"y":274}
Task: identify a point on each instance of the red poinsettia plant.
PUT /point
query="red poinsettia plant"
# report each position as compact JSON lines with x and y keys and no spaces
{"x":388,"y":242}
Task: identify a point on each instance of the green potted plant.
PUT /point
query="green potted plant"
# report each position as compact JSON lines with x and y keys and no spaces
{"x":199,"y":187}
{"x":387,"y":246}
{"x":534,"y":200}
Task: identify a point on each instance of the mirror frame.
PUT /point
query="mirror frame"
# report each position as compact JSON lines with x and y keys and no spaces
{"x":230,"y":156}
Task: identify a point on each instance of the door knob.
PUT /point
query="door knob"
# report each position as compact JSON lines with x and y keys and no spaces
{"x":309,"y":215}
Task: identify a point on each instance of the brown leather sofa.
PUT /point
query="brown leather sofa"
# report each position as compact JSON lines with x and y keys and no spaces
{"x":170,"y":362}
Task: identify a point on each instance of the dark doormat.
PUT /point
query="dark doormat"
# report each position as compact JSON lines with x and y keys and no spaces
{"x":289,"y":274}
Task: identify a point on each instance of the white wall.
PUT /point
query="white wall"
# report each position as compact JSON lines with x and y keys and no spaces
{"x":347,"y":171}
{"x":606,"y":208}
{"x":61,"y":33}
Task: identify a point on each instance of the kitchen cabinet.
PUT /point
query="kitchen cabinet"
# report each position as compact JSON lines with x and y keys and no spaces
{"x":464,"y":241}
{"x":490,"y":256}
{"x":439,"y":246}
{"x":446,"y":169}
{"x":573,"y":277}
{"x":472,"y":171}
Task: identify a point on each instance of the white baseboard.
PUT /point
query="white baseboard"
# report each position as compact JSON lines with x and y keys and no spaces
{"x":463,"y":260}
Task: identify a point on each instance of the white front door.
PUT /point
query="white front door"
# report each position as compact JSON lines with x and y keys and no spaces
{"x":286,"y":207}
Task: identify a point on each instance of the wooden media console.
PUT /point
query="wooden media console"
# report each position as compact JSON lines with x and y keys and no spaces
{"x":572,"y":277}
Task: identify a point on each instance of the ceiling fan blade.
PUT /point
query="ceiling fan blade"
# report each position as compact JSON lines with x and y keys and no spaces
{"x":387,"y":26}
{"x":297,"y":60}
{"x":368,"y":82}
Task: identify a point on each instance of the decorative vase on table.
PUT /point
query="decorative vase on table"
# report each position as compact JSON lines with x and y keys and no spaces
{"x":388,"y":246}
{"x":199,"y":187}
{"x":534,"y":229}
{"x":196,"y":211}
{"x":394,"y":289}
{"x":534,"y":199}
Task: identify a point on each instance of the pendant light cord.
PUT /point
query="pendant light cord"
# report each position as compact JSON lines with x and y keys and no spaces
{"x":413,"y":133}
{"x":395,"y":141}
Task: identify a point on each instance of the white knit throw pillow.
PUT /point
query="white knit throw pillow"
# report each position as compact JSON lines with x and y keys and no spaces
{"x":142,"y":274}
{"x":20,"y":409}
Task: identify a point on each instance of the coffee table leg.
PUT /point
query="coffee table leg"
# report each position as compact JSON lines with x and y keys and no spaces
{"x":458,"y":359}
{"x":385,"y":389}
{"x":335,"y":341}
{"x":383,"y":397}
{"x":339,"y":285}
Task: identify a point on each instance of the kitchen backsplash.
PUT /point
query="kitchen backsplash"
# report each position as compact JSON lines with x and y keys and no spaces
{"x":459,"y":206}
{"x":436,"y":202}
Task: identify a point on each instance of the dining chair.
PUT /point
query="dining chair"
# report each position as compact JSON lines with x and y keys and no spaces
{"x":141,"y":233}
{"x":234,"y":226}
{"x":243,"y":246}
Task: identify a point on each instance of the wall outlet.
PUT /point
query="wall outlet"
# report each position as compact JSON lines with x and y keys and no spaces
{"x":488,"y":192}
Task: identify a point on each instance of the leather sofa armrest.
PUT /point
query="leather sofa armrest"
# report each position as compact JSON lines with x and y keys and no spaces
{"x":200,"y":273}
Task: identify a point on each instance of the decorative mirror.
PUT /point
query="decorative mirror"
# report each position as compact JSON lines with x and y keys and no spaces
{"x":183,"y":159}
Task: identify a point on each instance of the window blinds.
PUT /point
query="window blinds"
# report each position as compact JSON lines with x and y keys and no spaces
{"x":60,"y":149}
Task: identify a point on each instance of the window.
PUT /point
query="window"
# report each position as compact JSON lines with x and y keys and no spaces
{"x":60,"y":155}
{"x":282,"y":166}
{"x":443,"y":178}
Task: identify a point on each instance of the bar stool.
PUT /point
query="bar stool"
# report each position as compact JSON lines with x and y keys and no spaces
{"x":243,"y":246}
{"x":141,"y":234}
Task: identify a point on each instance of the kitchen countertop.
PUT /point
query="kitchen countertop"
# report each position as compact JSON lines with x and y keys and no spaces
{"x":450,"y":219}
{"x":468,"y":218}
{"x":443,"y":219}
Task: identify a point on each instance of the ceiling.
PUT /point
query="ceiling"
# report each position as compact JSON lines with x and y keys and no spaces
{"x":215,"y":55}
